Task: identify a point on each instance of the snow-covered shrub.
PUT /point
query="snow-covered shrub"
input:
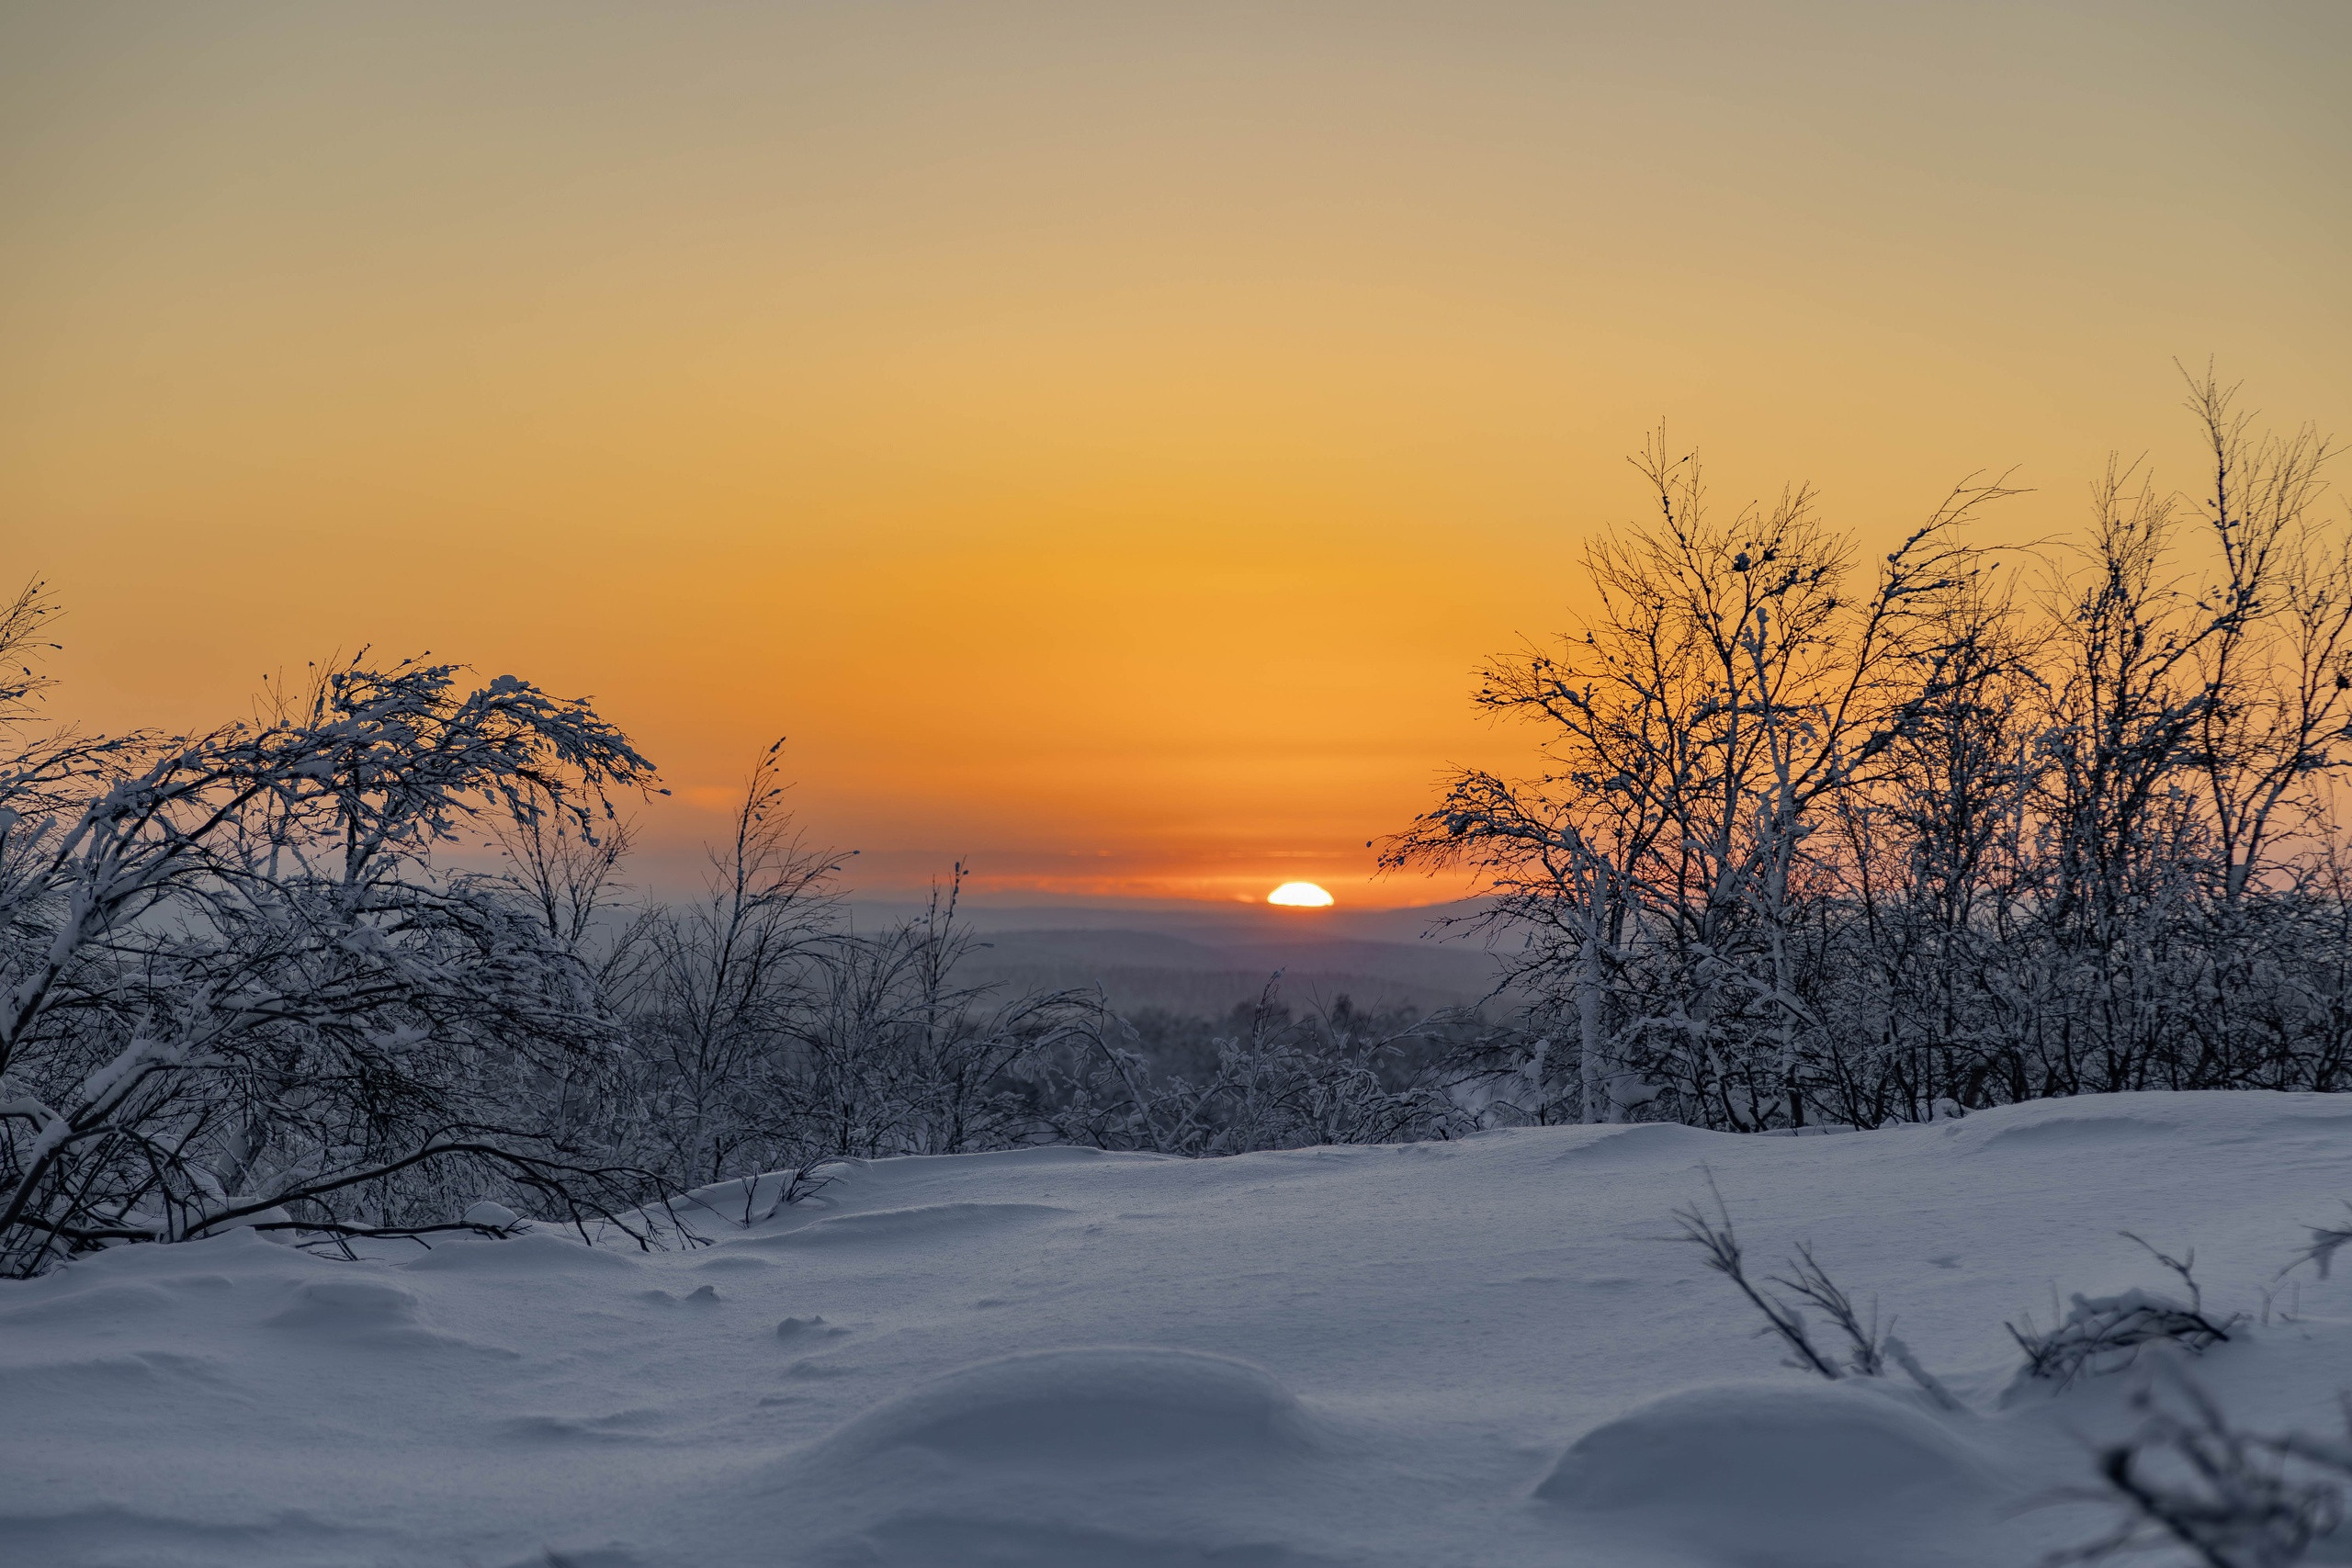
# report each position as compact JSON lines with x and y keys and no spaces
{"x":1336,"y":1075}
{"x":237,"y":984}
{"x":2106,"y":1334}
{"x":756,"y":1030}
{"x":1869,"y":1347}
{"x":2326,"y":1241}
{"x":900,"y":1055}
{"x":2186,"y":1478}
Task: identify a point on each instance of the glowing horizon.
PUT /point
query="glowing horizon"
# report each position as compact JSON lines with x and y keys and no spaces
{"x":1103,"y":441}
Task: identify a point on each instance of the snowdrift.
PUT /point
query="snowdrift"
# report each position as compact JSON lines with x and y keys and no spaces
{"x":1478,"y":1353}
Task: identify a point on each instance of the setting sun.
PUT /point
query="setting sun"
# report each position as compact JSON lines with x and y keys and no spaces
{"x":1300,"y":894}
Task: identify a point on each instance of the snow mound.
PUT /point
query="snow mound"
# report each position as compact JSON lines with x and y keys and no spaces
{"x":533,"y":1252}
{"x":621,"y":1427}
{"x":920,"y":1222}
{"x":1068,"y":1458}
{"x":1749,"y":1473}
{"x":141,"y":1374}
{"x":99,"y":1303}
{"x":949,"y":1542}
{"x":1644,"y":1144}
{"x":2089,"y":1124}
{"x":2065,"y":1135}
{"x":733,"y":1263}
{"x":347,"y":1304}
{"x":362,"y":1312}
{"x":800,"y":1330}
{"x":1111,"y":1406}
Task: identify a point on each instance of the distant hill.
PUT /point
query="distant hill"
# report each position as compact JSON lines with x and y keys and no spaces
{"x":1203,"y":959}
{"x":1210,"y":922}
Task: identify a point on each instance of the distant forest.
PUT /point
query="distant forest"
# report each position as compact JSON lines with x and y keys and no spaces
{"x":1805,"y":844}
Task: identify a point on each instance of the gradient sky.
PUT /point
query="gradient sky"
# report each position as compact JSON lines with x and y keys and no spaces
{"x":1104,"y":438}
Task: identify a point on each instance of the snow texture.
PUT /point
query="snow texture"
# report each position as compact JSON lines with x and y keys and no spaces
{"x":1478,"y":1353}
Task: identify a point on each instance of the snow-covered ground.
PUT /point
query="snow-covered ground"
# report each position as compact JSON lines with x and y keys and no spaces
{"x":1474,"y":1353}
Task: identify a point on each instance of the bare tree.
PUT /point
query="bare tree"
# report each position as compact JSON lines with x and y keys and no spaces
{"x":1725,"y":687}
{"x":725,"y":981}
{"x":902,"y":1057}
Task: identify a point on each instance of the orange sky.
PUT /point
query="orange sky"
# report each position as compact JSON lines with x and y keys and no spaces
{"x":1103,"y":438}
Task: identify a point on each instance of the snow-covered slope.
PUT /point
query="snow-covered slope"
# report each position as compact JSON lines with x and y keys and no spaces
{"x":1474,"y":1353}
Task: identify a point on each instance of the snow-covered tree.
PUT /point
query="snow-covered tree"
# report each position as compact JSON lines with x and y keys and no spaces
{"x":1796,"y":852}
{"x":239,"y":989}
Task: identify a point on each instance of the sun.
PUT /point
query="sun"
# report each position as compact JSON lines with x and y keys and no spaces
{"x":1301,"y":896}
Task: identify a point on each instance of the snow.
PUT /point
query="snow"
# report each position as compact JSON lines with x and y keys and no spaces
{"x":1483,"y":1353}
{"x":1753,"y":1472}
